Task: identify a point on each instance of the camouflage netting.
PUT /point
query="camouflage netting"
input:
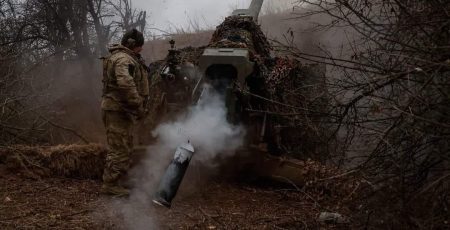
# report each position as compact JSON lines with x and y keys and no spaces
{"x":295,"y":96}
{"x":72,"y":161}
{"x":296,"y":100}
{"x":237,"y":33}
{"x":191,"y":54}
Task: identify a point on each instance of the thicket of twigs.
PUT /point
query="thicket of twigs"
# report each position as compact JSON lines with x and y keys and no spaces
{"x":391,"y":88}
{"x":49,"y":68}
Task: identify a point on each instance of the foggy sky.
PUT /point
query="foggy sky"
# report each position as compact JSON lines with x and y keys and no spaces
{"x":170,"y":14}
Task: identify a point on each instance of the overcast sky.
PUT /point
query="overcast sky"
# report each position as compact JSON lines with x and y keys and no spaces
{"x":170,"y":14}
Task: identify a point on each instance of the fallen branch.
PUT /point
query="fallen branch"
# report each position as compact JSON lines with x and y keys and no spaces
{"x":338,"y":176}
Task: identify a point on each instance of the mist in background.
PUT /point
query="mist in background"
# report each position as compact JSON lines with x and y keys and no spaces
{"x":168,"y":15}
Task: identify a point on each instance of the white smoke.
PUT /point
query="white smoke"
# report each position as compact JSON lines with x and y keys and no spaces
{"x":206,"y":126}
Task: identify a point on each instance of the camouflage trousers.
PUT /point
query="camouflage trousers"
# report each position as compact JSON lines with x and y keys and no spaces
{"x":119,"y":134}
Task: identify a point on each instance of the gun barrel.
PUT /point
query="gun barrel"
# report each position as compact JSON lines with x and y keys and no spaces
{"x":255,"y":8}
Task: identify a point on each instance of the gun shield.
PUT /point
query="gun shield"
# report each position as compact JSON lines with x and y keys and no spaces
{"x":173,"y":176}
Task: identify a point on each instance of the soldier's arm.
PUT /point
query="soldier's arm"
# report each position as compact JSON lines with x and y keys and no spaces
{"x":126,"y":84}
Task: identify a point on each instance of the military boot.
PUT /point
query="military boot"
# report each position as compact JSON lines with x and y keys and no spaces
{"x":115,"y":190}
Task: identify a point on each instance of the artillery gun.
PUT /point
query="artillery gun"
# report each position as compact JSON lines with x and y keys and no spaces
{"x":265,"y":92}
{"x":258,"y":88}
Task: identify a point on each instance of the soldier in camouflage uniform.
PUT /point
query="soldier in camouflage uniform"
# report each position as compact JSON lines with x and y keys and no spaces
{"x":125,"y":94}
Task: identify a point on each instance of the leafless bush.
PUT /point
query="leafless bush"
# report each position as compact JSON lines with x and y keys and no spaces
{"x":391,"y":89}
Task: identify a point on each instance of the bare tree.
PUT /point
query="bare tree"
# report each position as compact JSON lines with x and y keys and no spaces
{"x":391,"y":87}
{"x":129,"y":17}
{"x":44,"y":45}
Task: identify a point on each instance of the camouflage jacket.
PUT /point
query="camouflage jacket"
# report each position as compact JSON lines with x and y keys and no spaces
{"x":125,"y":81}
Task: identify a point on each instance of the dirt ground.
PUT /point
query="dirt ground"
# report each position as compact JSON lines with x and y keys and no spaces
{"x":61,"y":203}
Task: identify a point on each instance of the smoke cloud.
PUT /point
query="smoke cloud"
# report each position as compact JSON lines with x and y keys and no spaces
{"x":205,"y":125}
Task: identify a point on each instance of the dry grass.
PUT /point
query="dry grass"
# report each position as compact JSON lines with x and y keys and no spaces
{"x":72,"y":161}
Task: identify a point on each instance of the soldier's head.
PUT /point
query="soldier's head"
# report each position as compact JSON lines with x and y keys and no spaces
{"x":133,"y":40}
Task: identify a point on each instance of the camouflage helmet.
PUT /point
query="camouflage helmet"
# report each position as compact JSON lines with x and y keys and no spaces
{"x":133,"y":38}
